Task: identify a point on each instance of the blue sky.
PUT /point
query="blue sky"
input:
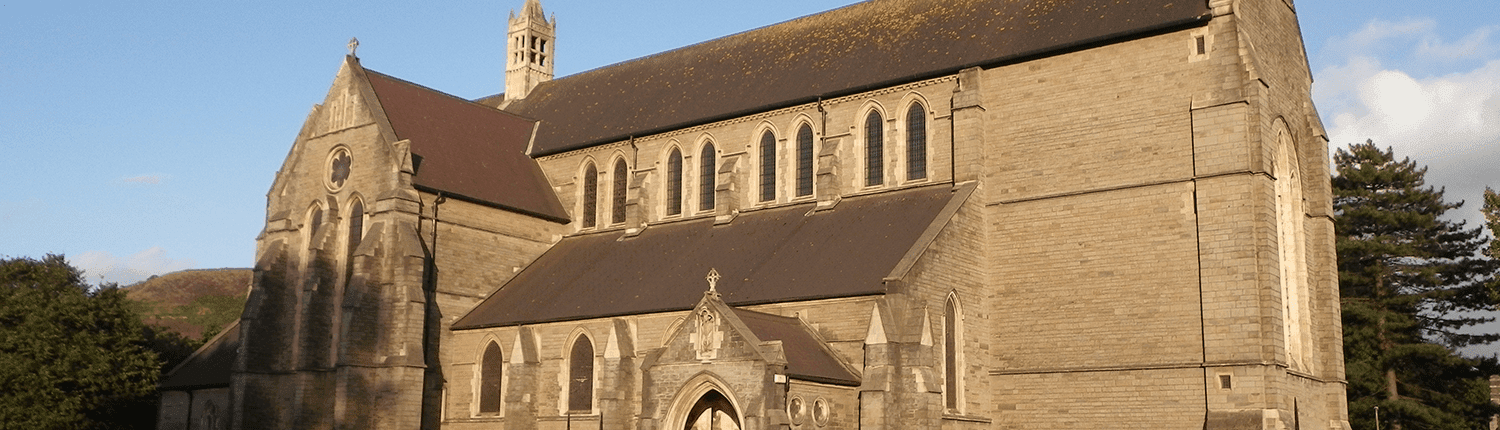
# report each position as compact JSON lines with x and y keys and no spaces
{"x":141,"y":138}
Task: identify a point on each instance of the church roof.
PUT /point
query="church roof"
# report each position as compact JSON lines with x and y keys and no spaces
{"x":209,"y":366}
{"x":807,"y":358}
{"x":467,"y":150}
{"x":765,"y":256}
{"x":856,"y":48}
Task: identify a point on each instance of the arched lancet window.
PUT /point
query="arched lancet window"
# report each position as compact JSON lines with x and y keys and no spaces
{"x":356,"y":235}
{"x":916,"y":142}
{"x":767,"y":166}
{"x":309,"y":233}
{"x":491,"y":368}
{"x":708,"y":174}
{"x":874,"y":149}
{"x":1289,"y":215}
{"x":314,"y":220}
{"x":804,"y":161}
{"x":356,"y":225}
{"x":622,"y":173}
{"x":674,"y":182}
{"x":952,"y":350}
{"x":590,"y":195}
{"x":581,"y":376}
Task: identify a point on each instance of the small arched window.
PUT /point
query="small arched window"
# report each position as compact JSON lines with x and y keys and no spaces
{"x":804,"y":161}
{"x":356,"y":235}
{"x":708,"y":174}
{"x":951,"y":351}
{"x":874,"y":149}
{"x":590,"y":195}
{"x":356,"y":225}
{"x":581,"y":376}
{"x":674,"y":182}
{"x":314,"y":221}
{"x":491,"y":368}
{"x":916,"y":142}
{"x":617,"y":214}
{"x":767,"y":166}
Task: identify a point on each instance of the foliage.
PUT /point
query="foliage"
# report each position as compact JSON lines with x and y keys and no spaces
{"x":196,"y":304}
{"x":172,"y":348}
{"x":74,"y":355}
{"x":1491,"y":210}
{"x":1408,"y":282}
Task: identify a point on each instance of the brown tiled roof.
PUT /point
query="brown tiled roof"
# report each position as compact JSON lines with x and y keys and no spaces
{"x":807,"y":358}
{"x":467,"y":150}
{"x":764,"y":256}
{"x":209,"y":366}
{"x":855,"y":48}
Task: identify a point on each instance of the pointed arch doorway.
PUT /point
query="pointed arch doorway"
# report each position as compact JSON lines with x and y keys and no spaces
{"x":712,"y":411}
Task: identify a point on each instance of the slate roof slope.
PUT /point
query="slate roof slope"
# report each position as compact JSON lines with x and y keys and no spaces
{"x":807,"y":358}
{"x":209,"y":366}
{"x":772,"y":255}
{"x":859,"y":47}
{"x":467,"y":150}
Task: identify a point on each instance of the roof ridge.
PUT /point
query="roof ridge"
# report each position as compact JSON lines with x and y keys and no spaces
{"x":704,"y":42}
{"x":867,"y":45}
{"x":445,"y":94}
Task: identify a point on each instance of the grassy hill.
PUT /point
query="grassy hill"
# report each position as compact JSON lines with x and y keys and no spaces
{"x":191,"y":302}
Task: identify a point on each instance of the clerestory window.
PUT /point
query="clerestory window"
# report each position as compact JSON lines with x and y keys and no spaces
{"x":707,"y":177}
{"x":874,"y":149}
{"x":916,"y":142}
{"x":590,"y":195}
{"x":674,"y":182}
{"x":804,"y":161}
{"x":622,"y":172}
{"x":767,"y":166}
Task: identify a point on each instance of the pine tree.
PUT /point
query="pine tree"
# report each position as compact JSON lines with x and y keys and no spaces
{"x":1407,"y":279}
{"x":1491,"y":210}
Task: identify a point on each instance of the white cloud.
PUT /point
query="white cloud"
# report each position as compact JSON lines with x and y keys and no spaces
{"x":1402,"y":85}
{"x":102,"y":266}
{"x":1448,"y":114}
{"x":1378,"y":31}
{"x":1476,"y":44}
{"x":1448,"y":121}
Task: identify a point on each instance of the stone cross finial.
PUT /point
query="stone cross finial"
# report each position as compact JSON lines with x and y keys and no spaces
{"x":713,"y":279}
{"x":353,"y":45}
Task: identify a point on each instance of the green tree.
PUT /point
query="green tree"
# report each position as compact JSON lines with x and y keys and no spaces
{"x":1491,"y":210}
{"x":1408,"y":282}
{"x":73,"y":355}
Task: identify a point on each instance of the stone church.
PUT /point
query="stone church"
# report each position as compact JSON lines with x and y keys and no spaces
{"x":955,"y":214}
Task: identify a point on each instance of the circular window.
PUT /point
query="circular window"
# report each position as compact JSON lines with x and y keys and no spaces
{"x":797,"y":410}
{"x":339,"y":161}
{"x":821,"y":412}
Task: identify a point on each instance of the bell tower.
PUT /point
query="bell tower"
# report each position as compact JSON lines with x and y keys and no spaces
{"x":528,"y":50}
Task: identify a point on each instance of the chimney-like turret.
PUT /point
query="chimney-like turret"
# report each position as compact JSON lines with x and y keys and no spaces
{"x":529,"y":50}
